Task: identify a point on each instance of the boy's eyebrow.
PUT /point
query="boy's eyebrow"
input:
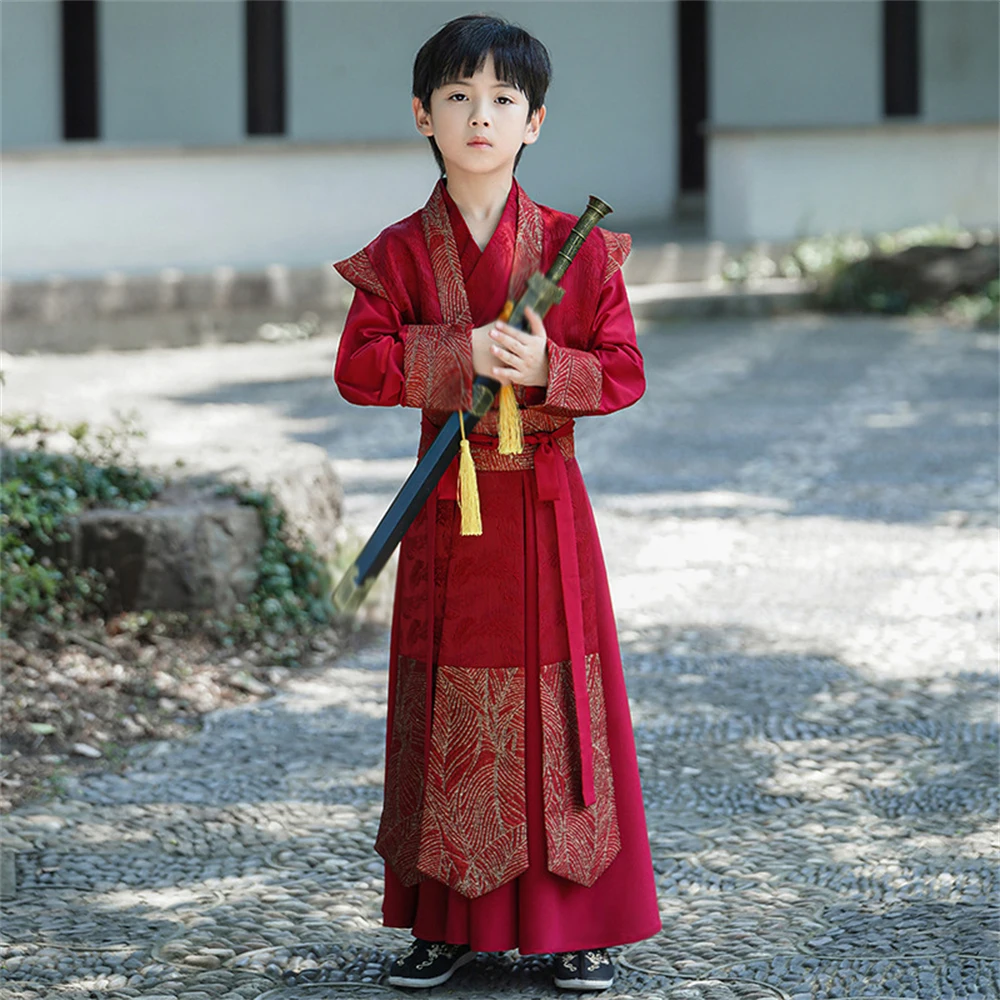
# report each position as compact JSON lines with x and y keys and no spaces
{"x":467,"y":81}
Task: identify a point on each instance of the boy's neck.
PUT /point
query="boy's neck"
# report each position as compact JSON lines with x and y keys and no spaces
{"x":481,"y":198}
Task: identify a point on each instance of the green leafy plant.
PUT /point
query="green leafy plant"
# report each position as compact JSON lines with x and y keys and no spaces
{"x":42,"y":489}
{"x":836,"y":264}
{"x":294,"y":586}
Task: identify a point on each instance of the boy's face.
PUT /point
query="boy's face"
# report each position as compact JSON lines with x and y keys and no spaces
{"x":478,"y":123}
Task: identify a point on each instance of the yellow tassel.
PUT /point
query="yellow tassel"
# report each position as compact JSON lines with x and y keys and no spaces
{"x":468,"y":488}
{"x":511,"y":437}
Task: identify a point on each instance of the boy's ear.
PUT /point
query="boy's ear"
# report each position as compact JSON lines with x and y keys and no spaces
{"x":422,"y":118}
{"x":534,"y":125}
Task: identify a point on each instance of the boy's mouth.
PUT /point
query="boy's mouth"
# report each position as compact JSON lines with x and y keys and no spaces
{"x":479,"y":141}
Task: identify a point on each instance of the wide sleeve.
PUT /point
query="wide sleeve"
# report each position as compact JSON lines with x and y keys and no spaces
{"x":369,"y":365}
{"x":609,"y":375}
{"x":382,"y":361}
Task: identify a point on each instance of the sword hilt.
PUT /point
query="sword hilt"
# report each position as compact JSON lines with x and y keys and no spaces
{"x":594,"y":212}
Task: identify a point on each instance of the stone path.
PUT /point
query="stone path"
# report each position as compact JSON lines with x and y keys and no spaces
{"x":800,"y":524}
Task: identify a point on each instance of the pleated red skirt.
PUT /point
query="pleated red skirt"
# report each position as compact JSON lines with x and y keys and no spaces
{"x":538,"y":912}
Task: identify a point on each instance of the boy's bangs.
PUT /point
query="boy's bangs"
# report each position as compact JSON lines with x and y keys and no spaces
{"x":459,"y":50}
{"x":507,"y":66}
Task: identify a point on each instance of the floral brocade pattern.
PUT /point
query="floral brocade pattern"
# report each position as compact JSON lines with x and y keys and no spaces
{"x":488,"y":459}
{"x":359,"y":271}
{"x":532,"y":421}
{"x":438,"y":366}
{"x":445,"y":264}
{"x":619,"y":247}
{"x":474,"y":831}
{"x":582,"y":841}
{"x":528,"y":248}
{"x":398,"y":836}
{"x":576,"y":379}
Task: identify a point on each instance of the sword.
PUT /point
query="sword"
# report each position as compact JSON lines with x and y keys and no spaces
{"x":542,"y":293}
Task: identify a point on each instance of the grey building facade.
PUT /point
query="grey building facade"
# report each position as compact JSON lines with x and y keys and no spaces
{"x":142,"y":134}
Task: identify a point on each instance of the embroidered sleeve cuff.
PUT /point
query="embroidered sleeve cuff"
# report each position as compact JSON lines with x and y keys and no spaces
{"x":437,"y":367}
{"x":575,"y":379}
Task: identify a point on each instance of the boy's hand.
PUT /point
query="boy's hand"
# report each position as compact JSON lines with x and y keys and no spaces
{"x":519,"y":357}
{"x":482,"y":355}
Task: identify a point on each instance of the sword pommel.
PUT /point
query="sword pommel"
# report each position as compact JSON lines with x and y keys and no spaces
{"x":351,"y":592}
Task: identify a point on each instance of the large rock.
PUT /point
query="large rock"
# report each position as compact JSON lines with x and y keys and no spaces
{"x":302,"y":480}
{"x":194,"y":549}
{"x":189,"y":550}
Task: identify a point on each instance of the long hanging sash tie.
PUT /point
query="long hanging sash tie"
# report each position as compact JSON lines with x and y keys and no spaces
{"x":553,"y":486}
{"x":430,"y":510}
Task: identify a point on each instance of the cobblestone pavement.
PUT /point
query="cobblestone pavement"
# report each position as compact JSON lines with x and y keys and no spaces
{"x":801,"y":529}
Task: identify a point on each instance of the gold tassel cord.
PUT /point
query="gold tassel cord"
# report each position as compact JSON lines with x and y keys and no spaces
{"x":511,"y":436}
{"x":468,"y":488}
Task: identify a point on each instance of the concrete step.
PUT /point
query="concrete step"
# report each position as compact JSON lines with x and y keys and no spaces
{"x":666,"y":277}
{"x":666,"y":301}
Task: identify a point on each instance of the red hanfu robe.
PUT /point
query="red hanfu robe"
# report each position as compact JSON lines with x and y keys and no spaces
{"x":513,"y":814}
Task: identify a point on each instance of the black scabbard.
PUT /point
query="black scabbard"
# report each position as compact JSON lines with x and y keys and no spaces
{"x":357,"y":581}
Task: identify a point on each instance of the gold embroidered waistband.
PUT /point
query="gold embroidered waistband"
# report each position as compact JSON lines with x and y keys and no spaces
{"x":488,"y":459}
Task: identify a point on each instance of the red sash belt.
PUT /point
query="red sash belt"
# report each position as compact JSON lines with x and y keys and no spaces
{"x":552,"y":484}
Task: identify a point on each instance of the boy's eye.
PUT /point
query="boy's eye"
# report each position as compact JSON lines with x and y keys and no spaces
{"x":459,"y":96}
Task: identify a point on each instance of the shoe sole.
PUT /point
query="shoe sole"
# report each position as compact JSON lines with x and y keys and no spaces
{"x":584,"y":984}
{"x":437,"y":980}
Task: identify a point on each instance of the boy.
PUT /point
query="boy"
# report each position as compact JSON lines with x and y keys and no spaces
{"x":513,"y":815}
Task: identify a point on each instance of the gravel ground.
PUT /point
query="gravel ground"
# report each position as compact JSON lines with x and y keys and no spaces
{"x":800,"y":525}
{"x":73,"y":700}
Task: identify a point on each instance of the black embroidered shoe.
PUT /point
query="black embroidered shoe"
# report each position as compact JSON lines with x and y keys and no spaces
{"x":584,"y":970}
{"x":428,"y":963}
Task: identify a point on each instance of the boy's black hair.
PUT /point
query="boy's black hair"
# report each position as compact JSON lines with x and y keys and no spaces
{"x":460,"y":49}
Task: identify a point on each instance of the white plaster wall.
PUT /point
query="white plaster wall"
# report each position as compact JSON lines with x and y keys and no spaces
{"x":786,"y":184}
{"x":795,"y":62}
{"x":172,"y":71}
{"x":797,"y":141}
{"x":960,"y":53}
{"x":137,"y":201}
{"x":175,"y":182}
{"x":30,"y":74}
{"x":86,"y":213}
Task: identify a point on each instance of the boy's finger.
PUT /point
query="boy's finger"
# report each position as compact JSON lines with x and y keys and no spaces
{"x":522,"y":336}
{"x":513,"y":340}
{"x":507,"y":357}
{"x":534,"y":320}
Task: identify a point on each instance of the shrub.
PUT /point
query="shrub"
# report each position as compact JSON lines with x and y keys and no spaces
{"x":42,"y":489}
{"x":843,"y":268}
